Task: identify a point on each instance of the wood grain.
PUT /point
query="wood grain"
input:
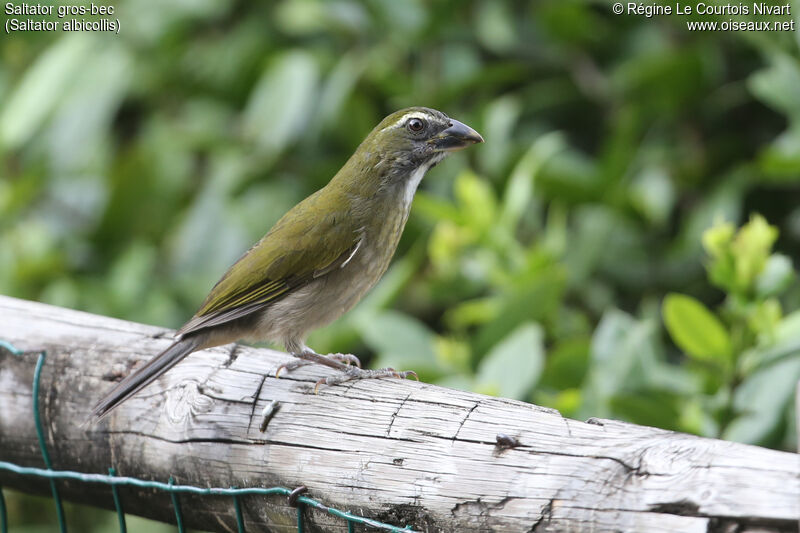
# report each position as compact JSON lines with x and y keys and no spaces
{"x":402,"y":452}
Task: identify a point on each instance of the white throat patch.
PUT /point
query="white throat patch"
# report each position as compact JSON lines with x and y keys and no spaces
{"x":412,"y":183}
{"x":416,"y":177}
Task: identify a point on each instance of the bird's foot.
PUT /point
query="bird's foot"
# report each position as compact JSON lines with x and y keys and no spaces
{"x":346,"y":358}
{"x":338,"y":361}
{"x":353,"y":373}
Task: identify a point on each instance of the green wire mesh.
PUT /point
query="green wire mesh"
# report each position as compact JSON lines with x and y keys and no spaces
{"x":123,"y":528}
{"x":114,"y":482}
{"x":3,"y":512}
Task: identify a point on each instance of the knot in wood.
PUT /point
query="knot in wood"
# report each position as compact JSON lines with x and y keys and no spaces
{"x":185,"y":400}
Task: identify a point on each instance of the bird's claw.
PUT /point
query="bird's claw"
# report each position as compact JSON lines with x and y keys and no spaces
{"x":405,"y":373}
{"x":344,"y":358}
{"x":399,"y":374}
{"x":354,"y":373}
{"x":293,"y":365}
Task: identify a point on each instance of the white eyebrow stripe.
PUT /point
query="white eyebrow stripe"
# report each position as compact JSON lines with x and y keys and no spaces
{"x":407,"y":116}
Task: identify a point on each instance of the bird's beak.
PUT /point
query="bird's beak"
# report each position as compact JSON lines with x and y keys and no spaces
{"x":457,"y":136}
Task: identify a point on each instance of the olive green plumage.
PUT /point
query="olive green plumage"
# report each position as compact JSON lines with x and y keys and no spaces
{"x":307,"y":242}
{"x":321,"y":257}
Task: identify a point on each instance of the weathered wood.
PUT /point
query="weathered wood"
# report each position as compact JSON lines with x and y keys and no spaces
{"x":397,"y":451}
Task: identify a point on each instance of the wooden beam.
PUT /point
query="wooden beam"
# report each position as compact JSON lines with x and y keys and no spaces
{"x":401,"y":452}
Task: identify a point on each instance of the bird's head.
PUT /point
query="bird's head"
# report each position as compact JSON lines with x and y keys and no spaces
{"x":418,"y":137}
{"x":395,"y":156}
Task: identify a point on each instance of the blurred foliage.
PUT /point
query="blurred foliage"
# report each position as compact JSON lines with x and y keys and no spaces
{"x":573,"y":260}
{"x":744,"y":359}
{"x":41,"y":517}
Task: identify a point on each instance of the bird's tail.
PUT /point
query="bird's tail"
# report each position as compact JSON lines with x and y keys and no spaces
{"x":145,"y":375}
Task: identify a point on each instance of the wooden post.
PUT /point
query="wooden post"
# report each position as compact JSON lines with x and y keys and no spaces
{"x":401,"y":452}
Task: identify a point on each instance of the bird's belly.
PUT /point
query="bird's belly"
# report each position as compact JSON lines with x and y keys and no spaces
{"x":325,"y":299}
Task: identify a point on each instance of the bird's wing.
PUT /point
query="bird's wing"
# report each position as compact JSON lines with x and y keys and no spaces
{"x":308,"y":242}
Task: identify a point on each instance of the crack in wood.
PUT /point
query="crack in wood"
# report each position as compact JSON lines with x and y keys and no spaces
{"x":718,"y":524}
{"x":394,"y":415}
{"x":255,"y":402}
{"x":339,"y":431}
{"x":208,"y":392}
{"x":461,"y":425}
{"x":480,"y":511}
{"x":190,"y":440}
{"x":681,"y":507}
{"x":544,"y":517}
{"x":569,"y":429}
{"x":629,"y":469}
{"x":226,"y":440}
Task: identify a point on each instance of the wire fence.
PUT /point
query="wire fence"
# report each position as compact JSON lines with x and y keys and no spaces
{"x":114,"y":482}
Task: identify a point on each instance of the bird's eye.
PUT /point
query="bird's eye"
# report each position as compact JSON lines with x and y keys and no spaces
{"x":416,"y":125}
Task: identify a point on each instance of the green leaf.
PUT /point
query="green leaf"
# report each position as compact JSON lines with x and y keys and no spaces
{"x":337,"y":88}
{"x":80,"y":129}
{"x":617,"y":344}
{"x":777,"y":85}
{"x":402,"y":342}
{"x":435,"y":208}
{"x":695,"y":329}
{"x":476,"y":200}
{"x":785,"y":344}
{"x":514,"y":307}
{"x":520,"y":188}
{"x":513,"y":366}
{"x":780,"y":161}
{"x":34,"y":97}
{"x":499,"y":120}
{"x":717,"y":239}
{"x":456,"y":381}
{"x":775,"y":277}
{"x":131,"y":273}
{"x":567,"y":364}
{"x":762,"y":400}
{"x":495,"y":27}
{"x":281,"y":102}
{"x":300,"y":17}
{"x":453,"y":354}
{"x":649,"y":407}
{"x":472,"y":312}
{"x":652,"y":193}
{"x":724,"y":202}
{"x":751,"y":249}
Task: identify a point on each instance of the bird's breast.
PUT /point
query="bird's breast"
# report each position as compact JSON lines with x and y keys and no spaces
{"x":378,"y":244}
{"x":330,"y":296}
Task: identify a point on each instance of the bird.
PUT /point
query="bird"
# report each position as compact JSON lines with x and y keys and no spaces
{"x":320,"y":258}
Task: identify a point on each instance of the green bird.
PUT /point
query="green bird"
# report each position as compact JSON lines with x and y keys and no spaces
{"x":321,"y":257}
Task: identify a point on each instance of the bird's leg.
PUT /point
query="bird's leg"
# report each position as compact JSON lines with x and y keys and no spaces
{"x":307,"y":356}
{"x":351,"y":373}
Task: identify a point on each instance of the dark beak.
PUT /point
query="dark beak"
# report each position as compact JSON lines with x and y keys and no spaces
{"x":457,"y":136}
